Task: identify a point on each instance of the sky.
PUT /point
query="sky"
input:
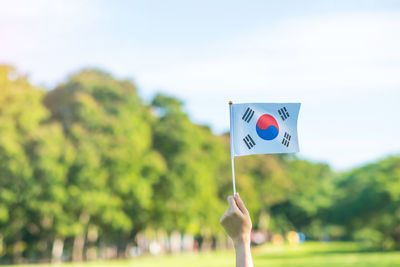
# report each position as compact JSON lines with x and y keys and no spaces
{"x":340,"y":59}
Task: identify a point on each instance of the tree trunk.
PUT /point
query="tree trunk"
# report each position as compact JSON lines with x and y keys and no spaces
{"x":57,"y":251}
{"x":207,"y":243}
{"x":175,"y":242}
{"x":79,"y":241}
{"x":77,"y":250}
{"x":91,"y":249}
{"x":1,"y":245}
{"x":18,"y":248}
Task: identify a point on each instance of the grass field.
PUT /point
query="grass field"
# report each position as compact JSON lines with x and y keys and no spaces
{"x":307,"y":254}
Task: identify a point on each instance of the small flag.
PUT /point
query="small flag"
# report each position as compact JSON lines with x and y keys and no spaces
{"x":264,"y":128}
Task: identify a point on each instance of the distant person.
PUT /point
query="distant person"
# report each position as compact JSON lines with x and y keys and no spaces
{"x":237,"y":224}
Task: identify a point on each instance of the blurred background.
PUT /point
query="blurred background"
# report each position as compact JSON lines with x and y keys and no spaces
{"x":114,"y":125}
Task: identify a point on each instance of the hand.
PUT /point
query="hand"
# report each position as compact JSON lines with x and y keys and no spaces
{"x":237,"y":221}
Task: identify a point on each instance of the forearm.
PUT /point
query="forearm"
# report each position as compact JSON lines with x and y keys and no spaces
{"x":237,"y":223}
{"x":243,"y":253}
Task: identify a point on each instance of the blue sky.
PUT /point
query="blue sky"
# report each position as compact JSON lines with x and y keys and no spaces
{"x":341,"y":59}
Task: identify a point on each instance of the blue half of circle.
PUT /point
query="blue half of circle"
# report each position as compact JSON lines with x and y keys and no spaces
{"x":268,"y":134}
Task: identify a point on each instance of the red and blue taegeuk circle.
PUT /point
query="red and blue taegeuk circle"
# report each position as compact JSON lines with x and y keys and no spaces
{"x":267,"y":127}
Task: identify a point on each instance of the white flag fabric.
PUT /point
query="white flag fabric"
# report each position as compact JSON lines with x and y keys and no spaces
{"x":264,"y":128}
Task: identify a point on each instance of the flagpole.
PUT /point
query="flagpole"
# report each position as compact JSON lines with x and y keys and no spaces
{"x":232,"y":152}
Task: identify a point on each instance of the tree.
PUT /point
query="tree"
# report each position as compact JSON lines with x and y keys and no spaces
{"x":367,"y":203}
{"x":186,"y":196}
{"x":32,"y":176}
{"x":111,"y":176}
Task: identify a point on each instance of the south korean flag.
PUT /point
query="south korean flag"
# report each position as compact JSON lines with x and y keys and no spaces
{"x":264,"y":128}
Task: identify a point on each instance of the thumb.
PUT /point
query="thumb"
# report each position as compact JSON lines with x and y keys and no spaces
{"x":240,"y":204}
{"x":232,"y":203}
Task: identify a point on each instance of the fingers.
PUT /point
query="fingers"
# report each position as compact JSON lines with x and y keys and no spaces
{"x":240,"y":204}
{"x":234,"y":208}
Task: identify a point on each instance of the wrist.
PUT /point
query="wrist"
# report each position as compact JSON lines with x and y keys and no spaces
{"x":243,"y":251}
{"x":242,"y":241}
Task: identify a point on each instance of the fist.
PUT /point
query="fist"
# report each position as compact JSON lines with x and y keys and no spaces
{"x":236,"y":220}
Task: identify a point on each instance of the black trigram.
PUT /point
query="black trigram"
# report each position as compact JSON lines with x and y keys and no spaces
{"x":249,"y":141}
{"x":284,"y":113}
{"x":248,"y":115}
{"x":286,"y":139}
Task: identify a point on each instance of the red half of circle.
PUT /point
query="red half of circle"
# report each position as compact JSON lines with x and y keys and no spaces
{"x":265,"y":121}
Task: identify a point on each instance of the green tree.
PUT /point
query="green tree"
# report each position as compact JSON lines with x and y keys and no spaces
{"x":110,"y":179}
{"x":31,"y":168}
{"x":368,"y":203}
{"x":309,"y":194}
{"x":186,"y":196}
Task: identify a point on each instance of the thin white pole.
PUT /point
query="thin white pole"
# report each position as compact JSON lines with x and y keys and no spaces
{"x":232,"y":152}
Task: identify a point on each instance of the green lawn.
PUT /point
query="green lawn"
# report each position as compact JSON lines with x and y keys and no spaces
{"x":308,"y":254}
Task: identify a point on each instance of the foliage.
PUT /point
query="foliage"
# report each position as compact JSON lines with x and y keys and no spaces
{"x":90,"y":165}
{"x":368,"y":203}
{"x":109,"y":181}
{"x":186,"y":197}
